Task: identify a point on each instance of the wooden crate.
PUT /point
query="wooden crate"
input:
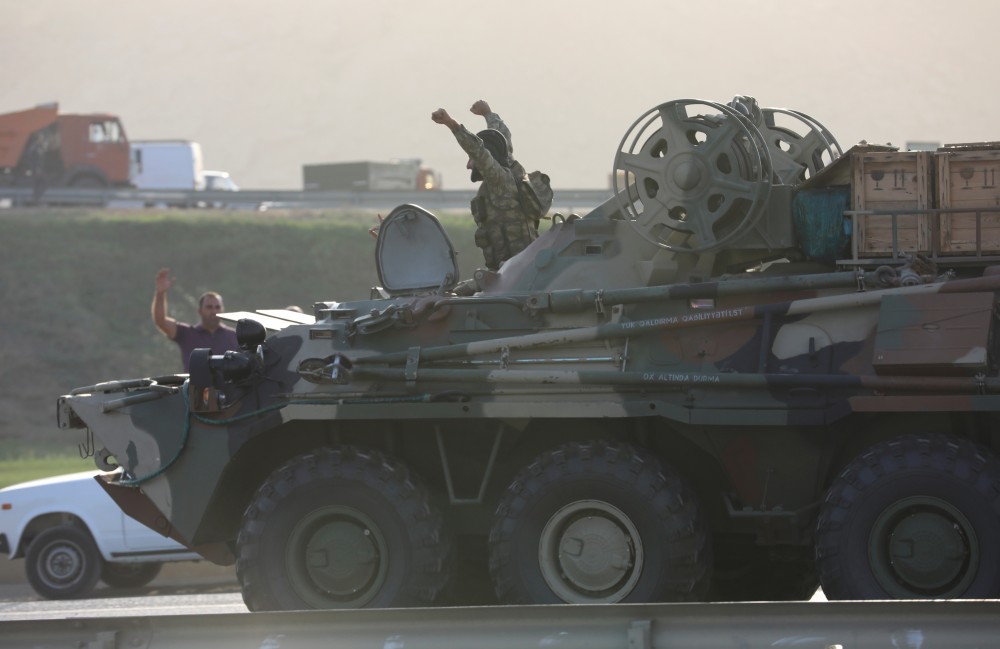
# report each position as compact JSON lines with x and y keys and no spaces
{"x":969,"y":178}
{"x":891,"y":180}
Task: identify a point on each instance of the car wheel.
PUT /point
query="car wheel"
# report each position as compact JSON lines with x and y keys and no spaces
{"x":599,"y":523}
{"x":911,"y":518}
{"x":342,"y":528}
{"x":129,"y":575}
{"x":63,"y":562}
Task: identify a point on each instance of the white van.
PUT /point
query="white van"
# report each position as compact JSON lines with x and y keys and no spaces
{"x":167,"y":164}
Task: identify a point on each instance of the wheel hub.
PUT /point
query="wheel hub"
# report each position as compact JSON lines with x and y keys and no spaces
{"x":342,"y":558}
{"x":594,"y":553}
{"x":590,"y":551}
{"x":63,"y":564}
{"x":687,"y":173}
{"x":926,"y":548}
{"x":923,"y":546}
{"x":336,"y":555}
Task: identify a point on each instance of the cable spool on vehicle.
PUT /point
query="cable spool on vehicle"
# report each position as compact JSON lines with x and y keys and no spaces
{"x":691,"y":175}
{"x":804,"y":142}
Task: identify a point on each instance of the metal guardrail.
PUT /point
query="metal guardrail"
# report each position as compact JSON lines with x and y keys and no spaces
{"x":802,"y":625}
{"x":566,"y":200}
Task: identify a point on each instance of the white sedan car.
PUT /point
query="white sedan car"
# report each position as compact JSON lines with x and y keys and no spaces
{"x":71,"y":534}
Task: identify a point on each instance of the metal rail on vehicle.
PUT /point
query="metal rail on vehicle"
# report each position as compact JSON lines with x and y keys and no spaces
{"x":935,"y":251}
{"x":803,"y":625}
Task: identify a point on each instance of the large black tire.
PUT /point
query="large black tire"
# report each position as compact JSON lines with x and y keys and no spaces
{"x":63,"y":562}
{"x":129,"y":575}
{"x":342,"y":528}
{"x":914,"y":517}
{"x":599,"y":522}
{"x":89,"y":181}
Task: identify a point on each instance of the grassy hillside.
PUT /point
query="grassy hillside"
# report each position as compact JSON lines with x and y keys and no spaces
{"x":76,"y":286}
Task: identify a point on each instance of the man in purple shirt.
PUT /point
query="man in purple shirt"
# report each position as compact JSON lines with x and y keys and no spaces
{"x":210,"y":332}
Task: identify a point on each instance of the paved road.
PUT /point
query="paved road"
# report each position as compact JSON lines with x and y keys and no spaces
{"x":182,"y":588}
{"x":185,"y":588}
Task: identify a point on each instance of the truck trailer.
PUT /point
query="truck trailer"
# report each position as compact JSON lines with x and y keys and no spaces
{"x":367,"y":176}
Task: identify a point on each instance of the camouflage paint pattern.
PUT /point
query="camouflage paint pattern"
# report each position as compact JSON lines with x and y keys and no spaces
{"x":755,"y":389}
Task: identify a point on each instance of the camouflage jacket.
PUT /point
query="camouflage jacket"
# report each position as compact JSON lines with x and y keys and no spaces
{"x":503,"y":228}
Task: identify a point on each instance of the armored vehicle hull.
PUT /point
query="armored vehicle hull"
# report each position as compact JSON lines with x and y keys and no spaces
{"x":664,"y":400}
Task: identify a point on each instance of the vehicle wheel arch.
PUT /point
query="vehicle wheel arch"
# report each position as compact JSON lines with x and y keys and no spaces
{"x":855,"y":436}
{"x":248,"y":468}
{"x":79,"y":175}
{"x":658,"y":437}
{"x":45,"y":521}
{"x":261,"y":455}
{"x":678,"y":447}
{"x":544,"y":435}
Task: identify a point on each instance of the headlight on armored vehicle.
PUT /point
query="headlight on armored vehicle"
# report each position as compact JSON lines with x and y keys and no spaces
{"x":250,"y":334}
{"x":216,"y":370}
{"x":208,"y":370}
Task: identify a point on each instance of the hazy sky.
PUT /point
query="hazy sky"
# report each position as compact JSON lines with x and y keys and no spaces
{"x":267,"y":86}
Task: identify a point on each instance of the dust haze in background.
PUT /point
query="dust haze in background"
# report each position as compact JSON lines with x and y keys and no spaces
{"x":266,"y":87}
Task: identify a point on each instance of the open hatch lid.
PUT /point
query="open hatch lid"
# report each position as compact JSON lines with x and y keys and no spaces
{"x":414,"y":254}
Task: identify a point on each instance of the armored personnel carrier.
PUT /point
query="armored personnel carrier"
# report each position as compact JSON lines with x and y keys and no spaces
{"x":763,"y":365}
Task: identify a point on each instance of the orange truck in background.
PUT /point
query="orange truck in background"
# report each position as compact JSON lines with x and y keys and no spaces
{"x":39,"y":146}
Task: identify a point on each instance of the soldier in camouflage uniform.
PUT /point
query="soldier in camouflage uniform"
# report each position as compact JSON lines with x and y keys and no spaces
{"x":504,"y":230}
